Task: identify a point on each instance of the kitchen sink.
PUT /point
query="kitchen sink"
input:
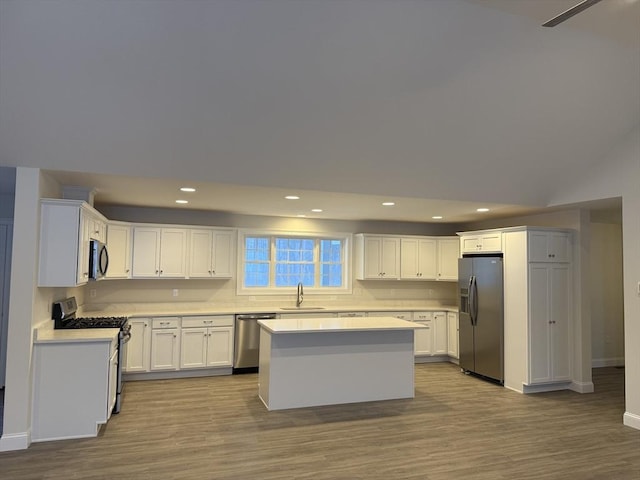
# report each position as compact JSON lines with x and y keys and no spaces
{"x":302,"y":308}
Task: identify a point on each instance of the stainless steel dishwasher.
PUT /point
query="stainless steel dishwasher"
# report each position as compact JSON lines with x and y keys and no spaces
{"x":246,"y":351}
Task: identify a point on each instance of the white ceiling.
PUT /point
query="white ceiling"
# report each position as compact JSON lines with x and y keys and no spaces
{"x":345,"y":103}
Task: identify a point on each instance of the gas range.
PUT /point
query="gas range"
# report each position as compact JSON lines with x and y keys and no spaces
{"x":93,"y":322}
{"x":64,"y":316}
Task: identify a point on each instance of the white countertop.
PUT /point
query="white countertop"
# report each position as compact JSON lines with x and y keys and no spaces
{"x":331,"y":324}
{"x":182,"y":310}
{"x":49,"y":335}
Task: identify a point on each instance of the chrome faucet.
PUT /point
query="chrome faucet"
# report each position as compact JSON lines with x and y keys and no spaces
{"x":300,"y":295}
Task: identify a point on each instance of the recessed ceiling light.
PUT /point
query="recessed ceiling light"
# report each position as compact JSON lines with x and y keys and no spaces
{"x":388,"y":204}
{"x":317,"y":210}
{"x":437,"y":217}
{"x":482,"y":210}
{"x":182,"y":201}
{"x":187,"y":189}
{"x":292,"y":197}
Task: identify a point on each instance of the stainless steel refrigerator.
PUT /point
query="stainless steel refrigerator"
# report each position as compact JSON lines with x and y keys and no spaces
{"x":480,"y":289}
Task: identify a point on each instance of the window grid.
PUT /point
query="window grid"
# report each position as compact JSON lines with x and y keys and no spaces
{"x":281,"y":262}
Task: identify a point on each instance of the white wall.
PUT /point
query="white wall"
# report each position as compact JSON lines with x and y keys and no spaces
{"x":28,"y":306}
{"x":618,"y":175}
{"x":607,"y":302}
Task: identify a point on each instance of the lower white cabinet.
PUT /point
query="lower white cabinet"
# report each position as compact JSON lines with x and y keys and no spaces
{"x":138,"y":349}
{"x":206,"y":341}
{"x":423,"y":337}
{"x":165,"y":343}
{"x":440,"y":333}
{"x":452,"y":334}
{"x":74,"y":388}
{"x":433,"y":338}
{"x":401,"y":315}
{"x":549,"y":349}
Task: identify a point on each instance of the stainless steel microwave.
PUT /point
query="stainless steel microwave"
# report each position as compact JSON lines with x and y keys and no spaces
{"x":98,"y":260}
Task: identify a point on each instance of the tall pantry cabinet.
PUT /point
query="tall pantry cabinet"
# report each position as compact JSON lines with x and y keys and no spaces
{"x":538,"y":308}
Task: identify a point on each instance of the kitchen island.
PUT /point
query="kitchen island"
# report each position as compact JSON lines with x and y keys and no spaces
{"x":325,"y":361}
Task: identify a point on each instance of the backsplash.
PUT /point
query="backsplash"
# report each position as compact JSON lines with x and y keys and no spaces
{"x":222,"y":293}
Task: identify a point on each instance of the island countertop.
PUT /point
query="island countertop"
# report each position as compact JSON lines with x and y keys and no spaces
{"x":332,"y":324}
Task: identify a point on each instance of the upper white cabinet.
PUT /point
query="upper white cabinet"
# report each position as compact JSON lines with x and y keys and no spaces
{"x":211,"y":253}
{"x":489,"y":242}
{"x":119,"y":247}
{"x":549,"y":246}
{"x":377,"y":257}
{"x":448,"y":254}
{"x":159,"y":252}
{"x":65,"y":231}
{"x":418,"y":258}
{"x":407,"y":257}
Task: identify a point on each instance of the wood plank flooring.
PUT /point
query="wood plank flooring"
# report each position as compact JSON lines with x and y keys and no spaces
{"x":457,"y":427}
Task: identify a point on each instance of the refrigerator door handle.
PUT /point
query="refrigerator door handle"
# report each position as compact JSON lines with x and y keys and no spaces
{"x":471,"y":300}
{"x":474,"y":300}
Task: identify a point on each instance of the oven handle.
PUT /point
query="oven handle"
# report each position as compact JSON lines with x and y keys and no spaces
{"x":125,"y":338}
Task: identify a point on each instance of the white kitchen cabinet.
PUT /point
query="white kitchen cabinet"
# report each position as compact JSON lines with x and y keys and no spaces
{"x":119,"y":248}
{"x":401,"y":315}
{"x":452,"y":334}
{"x":138,"y":349}
{"x":320,"y":314}
{"x":211,"y":253}
{"x":423,"y":337}
{"x":159,"y":252}
{"x":549,"y":292}
{"x":206,"y":341}
{"x":440,"y":333}
{"x":549,"y":246}
{"x":165,"y":343}
{"x":418,"y":258}
{"x":448,"y":254}
{"x":64,"y":242}
{"x":377,"y":257}
{"x":483,"y":242}
{"x":97,"y":228}
{"x":538,"y":299}
{"x":74,"y":387}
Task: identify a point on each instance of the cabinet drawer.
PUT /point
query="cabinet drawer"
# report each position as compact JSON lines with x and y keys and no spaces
{"x":351,"y":314}
{"x":165,"y":322}
{"x":422,"y":316}
{"x":208,"y":321}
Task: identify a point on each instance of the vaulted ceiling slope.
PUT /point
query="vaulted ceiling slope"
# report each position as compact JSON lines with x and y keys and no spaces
{"x":443,"y":99}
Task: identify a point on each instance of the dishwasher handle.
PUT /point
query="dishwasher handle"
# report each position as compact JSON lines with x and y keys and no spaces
{"x":260,"y":316}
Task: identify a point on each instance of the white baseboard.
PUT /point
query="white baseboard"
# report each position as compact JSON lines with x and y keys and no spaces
{"x":607,"y":362}
{"x":546,"y":387}
{"x":15,"y":441}
{"x":581,"y":387}
{"x":631,"y":420}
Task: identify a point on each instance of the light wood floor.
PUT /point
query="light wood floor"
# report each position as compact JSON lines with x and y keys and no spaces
{"x":457,"y":427}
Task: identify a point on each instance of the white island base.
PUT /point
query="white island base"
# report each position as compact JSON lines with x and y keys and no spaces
{"x":311,"y":362}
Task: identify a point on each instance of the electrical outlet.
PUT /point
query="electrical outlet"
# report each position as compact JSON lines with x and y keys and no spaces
{"x":175,"y":292}
{"x":92,"y":293}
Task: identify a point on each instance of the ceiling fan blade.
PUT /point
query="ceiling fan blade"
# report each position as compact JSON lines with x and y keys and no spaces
{"x":566,"y":15}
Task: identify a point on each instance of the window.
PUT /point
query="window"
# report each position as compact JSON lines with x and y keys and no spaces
{"x":275,"y":263}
